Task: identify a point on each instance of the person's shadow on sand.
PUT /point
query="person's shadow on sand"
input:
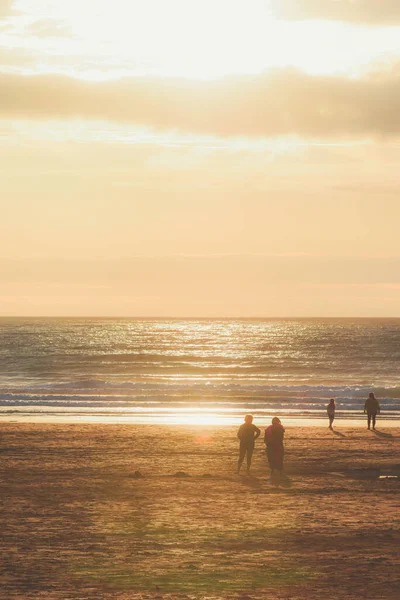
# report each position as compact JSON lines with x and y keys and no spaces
{"x":281,"y":480}
{"x":338,"y":433}
{"x":382,"y":434}
{"x":250,"y":480}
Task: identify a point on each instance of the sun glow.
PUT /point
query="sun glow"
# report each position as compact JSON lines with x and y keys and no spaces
{"x":98,"y":39}
{"x":179,"y":37}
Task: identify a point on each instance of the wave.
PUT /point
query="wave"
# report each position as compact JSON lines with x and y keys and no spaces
{"x":208,"y":388}
{"x":163,"y":396}
{"x":155,"y":403}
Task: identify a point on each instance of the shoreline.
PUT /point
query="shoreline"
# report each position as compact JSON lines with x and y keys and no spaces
{"x":213,"y":420}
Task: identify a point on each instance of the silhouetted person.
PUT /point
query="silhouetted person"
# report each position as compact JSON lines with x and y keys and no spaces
{"x":247,"y":434}
{"x":330,"y":409}
{"x":273,"y":439}
{"x":372,"y":408}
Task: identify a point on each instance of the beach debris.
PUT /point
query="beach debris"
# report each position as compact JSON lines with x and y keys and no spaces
{"x":388,"y":477}
{"x":181,"y":474}
{"x":207,"y":476}
{"x":137,"y":475}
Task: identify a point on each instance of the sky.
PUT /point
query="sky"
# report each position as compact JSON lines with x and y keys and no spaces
{"x":213,"y":158}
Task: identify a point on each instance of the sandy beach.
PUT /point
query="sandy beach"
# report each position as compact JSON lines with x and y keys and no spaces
{"x":93,"y":511}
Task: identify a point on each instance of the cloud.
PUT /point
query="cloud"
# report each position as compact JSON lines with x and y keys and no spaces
{"x":365,"y":12}
{"x":17,"y":57}
{"x":280,"y":102}
{"x":5,"y":8}
{"x":48,"y":28}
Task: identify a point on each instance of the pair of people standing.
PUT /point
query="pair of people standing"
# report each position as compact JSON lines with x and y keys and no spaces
{"x":273,"y":439}
{"x":371,"y":407}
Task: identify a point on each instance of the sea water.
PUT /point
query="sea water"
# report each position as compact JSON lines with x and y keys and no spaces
{"x":197,"y":370}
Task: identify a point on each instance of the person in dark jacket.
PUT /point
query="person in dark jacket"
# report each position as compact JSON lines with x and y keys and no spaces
{"x":247,"y":434}
{"x":330,"y":409}
{"x":372,"y":408}
{"x":273,"y":439}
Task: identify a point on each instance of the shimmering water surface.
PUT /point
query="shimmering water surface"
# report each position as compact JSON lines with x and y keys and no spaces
{"x":197,"y":370}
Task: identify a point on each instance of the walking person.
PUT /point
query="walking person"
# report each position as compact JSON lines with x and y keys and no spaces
{"x":273,"y":440}
{"x":247,"y":434}
{"x":372,"y":408}
{"x":330,"y":409}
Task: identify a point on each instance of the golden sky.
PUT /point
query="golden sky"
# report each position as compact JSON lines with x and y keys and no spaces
{"x":200,"y":158}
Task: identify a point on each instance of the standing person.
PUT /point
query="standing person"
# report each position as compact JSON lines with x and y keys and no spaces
{"x":247,"y":434}
{"x":273,"y":439}
{"x":330,"y":409}
{"x":372,"y":408}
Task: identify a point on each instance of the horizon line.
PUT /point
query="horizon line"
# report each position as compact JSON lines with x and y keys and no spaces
{"x":197,"y":318}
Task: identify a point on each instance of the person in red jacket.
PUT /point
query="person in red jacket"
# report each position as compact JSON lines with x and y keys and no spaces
{"x":273,"y":439}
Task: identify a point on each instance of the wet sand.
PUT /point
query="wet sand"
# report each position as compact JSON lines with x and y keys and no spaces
{"x":129,"y":512}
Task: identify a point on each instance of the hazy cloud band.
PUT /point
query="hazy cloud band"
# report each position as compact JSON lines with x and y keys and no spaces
{"x":367,"y":12}
{"x":275,"y":103}
{"x":257,"y":271}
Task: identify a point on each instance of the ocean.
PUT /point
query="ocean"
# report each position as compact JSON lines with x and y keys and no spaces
{"x":197,"y":370}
